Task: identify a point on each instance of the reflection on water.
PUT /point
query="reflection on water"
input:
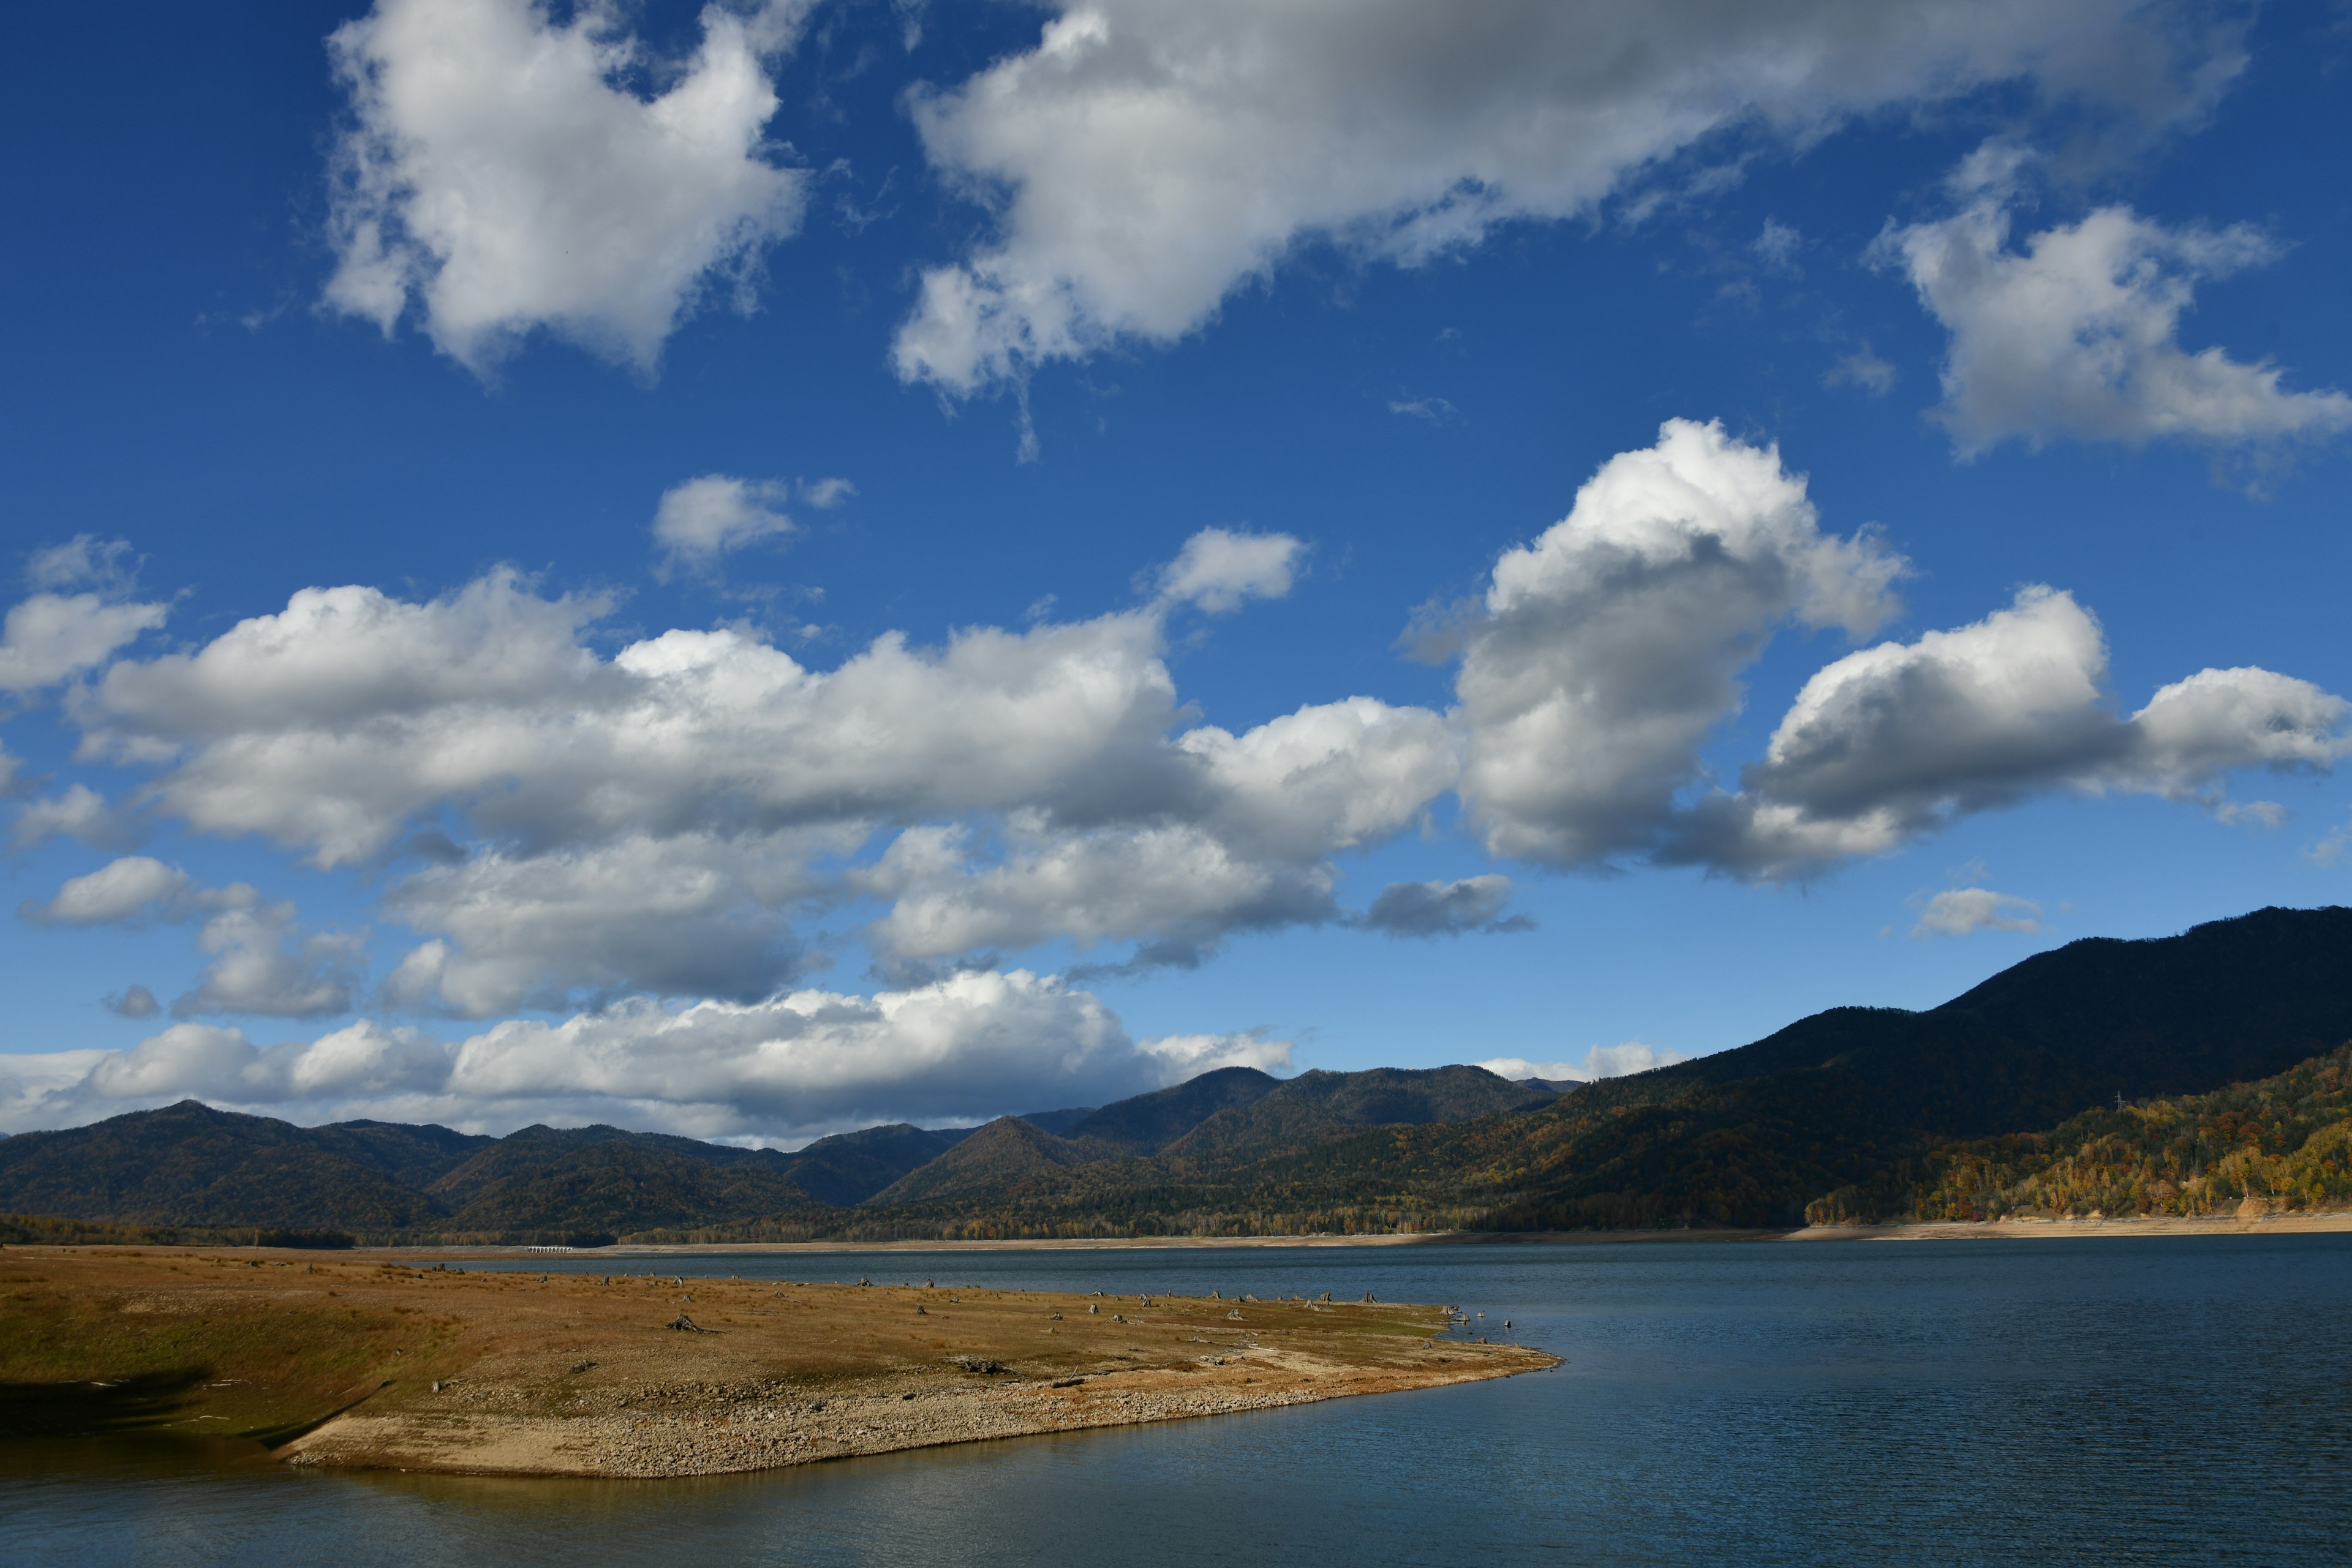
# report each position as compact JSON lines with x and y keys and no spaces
{"x":2157,"y":1400}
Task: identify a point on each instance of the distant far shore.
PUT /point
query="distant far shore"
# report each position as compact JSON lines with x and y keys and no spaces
{"x":1953,"y":1230}
{"x":1971,"y":1230}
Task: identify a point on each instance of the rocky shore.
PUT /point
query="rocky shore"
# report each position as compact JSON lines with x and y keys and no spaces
{"x":410,"y":1364}
{"x":649,"y":1429}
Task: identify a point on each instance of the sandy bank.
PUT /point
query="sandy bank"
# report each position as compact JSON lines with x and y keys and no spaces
{"x":2013,"y":1230}
{"x":407,"y":1363}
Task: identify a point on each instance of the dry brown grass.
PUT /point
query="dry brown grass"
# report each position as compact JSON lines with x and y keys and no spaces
{"x":567,"y":1373}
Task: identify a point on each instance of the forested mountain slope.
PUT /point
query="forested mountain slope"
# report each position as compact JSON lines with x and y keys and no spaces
{"x":1853,"y":1106}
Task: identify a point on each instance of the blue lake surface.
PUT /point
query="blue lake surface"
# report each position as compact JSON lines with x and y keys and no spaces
{"x":2157,"y":1400}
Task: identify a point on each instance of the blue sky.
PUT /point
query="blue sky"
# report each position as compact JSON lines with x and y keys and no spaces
{"x":756,"y":570}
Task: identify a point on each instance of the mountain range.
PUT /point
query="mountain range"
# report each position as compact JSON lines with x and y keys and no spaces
{"x":1849,"y":1100}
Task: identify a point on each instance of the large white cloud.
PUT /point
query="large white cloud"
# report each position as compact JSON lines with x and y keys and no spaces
{"x":2076,"y":334}
{"x":497,"y":170}
{"x":793,"y":1067}
{"x":1145,"y":159}
{"x":1899,"y":740}
{"x":258,"y":961}
{"x":51,"y":637}
{"x":1258,"y":817}
{"x":333,"y":724}
{"x":134,"y":887}
{"x":645,"y":821}
{"x":693,"y":914}
{"x":1605,"y":653}
{"x":260,"y":964}
{"x":1176,"y":887}
{"x":686,"y":816}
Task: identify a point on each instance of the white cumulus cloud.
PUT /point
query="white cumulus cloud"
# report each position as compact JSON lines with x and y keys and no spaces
{"x":1958,"y":911}
{"x":83,"y":560}
{"x":132,"y":887}
{"x":1606,"y":651}
{"x":498,"y":171}
{"x":51,"y":637}
{"x":260,"y":962}
{"x":332,"y":725}
{"x":76,"y":812}
{"x":704,"y":517}
{"x":1895,"y":740}
{"x":792,"y":1066}
{"x":1176,"y":886}
{"x":697,"y":815}
{"x":262,"y":965}
{"x":689,"y":915}
{"x":2077,"y":334}
{"x":646,"y":821}
{"x":1600,"y":1062}
{"x":1605,"y":654}
{"x":1144,"y":159}
{"x":1218,"y":569}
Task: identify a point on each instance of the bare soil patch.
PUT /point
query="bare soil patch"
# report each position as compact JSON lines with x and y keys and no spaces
{"x":407,"y":1362}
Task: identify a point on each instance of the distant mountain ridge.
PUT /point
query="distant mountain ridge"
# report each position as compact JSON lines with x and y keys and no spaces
{"x":189,"y":1164}
{"x":850,"y":1167}
{"x":2225,"y":1002}
{"x":1150,"y":1123}
{"x":1007,"y":1149}
{"x":1232,"y":1116}
{"x":1845,"y":1100}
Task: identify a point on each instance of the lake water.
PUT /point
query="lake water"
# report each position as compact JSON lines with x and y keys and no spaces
{"x":2159,"y":1401}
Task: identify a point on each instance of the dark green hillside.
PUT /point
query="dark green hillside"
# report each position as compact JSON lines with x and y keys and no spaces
{"x":2227,"y":1002}
{"x":413,"y":1156}
{"x":1744,"y":1137}
{"x":1006,"y":1150}
{"x":601,"y":1179}
{"x":1150,"y":1123}
{"x":850,"y":1167}
{"x":1058,"y":1122}
{"x":1871,"y":1111}
{"x":1022,"y":1182}
{"x":1751,"y":1136}
{"x":1318,"y":1106}
{"x":188,"y":1164}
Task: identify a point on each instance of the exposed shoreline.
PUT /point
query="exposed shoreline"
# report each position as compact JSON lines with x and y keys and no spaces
{"x":403,"y":1362}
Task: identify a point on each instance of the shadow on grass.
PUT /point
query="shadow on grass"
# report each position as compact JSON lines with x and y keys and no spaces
{"x":280,"y":1436}
{"x":128,"y":1404}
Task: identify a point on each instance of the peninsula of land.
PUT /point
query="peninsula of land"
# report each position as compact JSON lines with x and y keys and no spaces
{"x":406,"y":1362}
